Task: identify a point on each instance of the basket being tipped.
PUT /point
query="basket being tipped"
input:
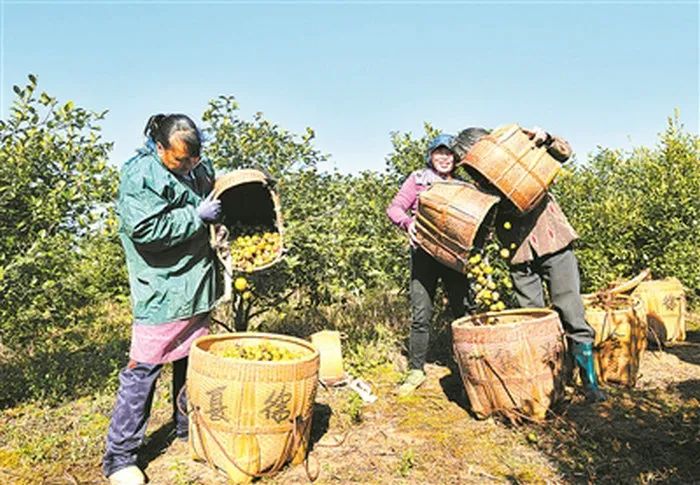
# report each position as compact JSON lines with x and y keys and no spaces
{"x":250,"y":236}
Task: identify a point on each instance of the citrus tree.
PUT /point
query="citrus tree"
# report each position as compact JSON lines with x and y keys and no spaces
{"x":55,"y":191}
{"x":638,"y":209}
{"x":338,"y":238}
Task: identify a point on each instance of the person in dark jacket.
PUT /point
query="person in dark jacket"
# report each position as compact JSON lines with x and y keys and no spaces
{"x":542,"y":242}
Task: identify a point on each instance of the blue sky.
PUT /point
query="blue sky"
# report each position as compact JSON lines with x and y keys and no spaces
{"x":597,"y":73}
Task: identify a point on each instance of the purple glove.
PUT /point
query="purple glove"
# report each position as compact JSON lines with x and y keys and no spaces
{"x":209,"y":209}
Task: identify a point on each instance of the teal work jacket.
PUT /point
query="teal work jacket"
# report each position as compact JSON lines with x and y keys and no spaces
{"x":171,"y":266}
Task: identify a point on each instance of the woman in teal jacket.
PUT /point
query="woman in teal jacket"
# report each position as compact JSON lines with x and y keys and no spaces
{"x":164,"y":207}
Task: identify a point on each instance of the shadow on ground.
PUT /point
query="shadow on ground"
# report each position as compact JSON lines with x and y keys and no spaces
{"x":688,"y":351}
{"x":638,"y":436}
{"x":156,"y":444}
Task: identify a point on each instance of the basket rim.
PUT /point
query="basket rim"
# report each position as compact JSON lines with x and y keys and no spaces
{"x":538,"y":315}
{"x":314,"y":354}
{"x":250,"y":176}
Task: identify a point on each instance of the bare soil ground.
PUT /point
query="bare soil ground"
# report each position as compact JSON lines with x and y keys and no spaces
{"x":643,"y":435}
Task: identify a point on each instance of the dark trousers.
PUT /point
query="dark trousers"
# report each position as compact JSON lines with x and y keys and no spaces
{"x":559,"y":271}
{"x":127,"y":428}
{"x":425,"y":272}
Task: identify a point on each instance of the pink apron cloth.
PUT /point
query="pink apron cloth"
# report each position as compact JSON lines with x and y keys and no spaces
{"x":166,"y":342}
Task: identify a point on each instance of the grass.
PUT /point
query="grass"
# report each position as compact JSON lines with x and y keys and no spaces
{"x":644,"y":435}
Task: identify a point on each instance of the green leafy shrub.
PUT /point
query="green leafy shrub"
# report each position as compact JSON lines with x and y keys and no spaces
{"x":637,"y":210}
{"x":55,"y":185}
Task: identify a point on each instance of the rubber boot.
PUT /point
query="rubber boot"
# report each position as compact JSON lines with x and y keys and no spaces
{"x":583,"y":356}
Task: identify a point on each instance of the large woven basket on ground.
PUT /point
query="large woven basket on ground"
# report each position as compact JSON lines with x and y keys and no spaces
{"x":249,"y":418}
{"x":664,"y":304}
{"x":666,"y":308}
{"x":620,"y":336}
{"x":449,"y":218}
{"x":509,"y":160}
{"x":248,"y":197}
{"x":513,"y":367}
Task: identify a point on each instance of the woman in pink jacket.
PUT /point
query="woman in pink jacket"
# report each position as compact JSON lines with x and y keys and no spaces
{"x":425,"y":270}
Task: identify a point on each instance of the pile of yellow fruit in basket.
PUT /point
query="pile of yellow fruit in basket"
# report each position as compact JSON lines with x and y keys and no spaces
{"x":261,"y":352}
{"x":254,"y":247}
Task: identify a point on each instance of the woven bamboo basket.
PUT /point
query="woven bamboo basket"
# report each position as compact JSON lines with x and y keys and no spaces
{"x":249,"y":418}
{"x":666,"y":308}
{"x":450,"y":221}
{"x":620,"y":336}
{"x":509,"y":160}
{"x":513,"y":368}
{"x":247,"y":196}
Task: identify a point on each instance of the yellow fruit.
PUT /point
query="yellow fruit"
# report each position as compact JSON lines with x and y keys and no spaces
{"x":475,"y":259}
{"x":507,"y":225}
{"x":512,"y":246}
{"x":505,"y":253}
{"x":247,"y":295}
{"x":488,"y":270}
{"x":253,"y":248}
{"x":264,"y":351}
{"x":241,"y":283}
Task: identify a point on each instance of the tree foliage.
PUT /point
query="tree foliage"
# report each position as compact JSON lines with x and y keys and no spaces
{"x":338,"y":238}
{"x":55,"y":185}
{"x":638,"y":209}
{"x":59,"y":254}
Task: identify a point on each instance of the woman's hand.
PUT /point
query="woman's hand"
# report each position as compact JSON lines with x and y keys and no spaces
{"x":537,"y":135}
{"x":209,"y":209}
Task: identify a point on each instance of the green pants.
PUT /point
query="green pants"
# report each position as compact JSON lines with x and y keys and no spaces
{"x":559,"y":271}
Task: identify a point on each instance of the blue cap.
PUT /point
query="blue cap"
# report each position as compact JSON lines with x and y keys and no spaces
{"x":442,"y":140}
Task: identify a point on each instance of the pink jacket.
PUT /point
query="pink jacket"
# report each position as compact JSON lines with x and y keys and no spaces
{"x":407,"y":197}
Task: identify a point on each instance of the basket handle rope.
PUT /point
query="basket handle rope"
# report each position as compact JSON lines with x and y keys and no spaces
{"x":294,"y":434}
{"x":493,"y":369}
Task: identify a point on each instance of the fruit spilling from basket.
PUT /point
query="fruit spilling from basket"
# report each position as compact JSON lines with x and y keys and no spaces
{"x":261,"y":352}
{"x":254,"y":247}
{"x":486,"y":282}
